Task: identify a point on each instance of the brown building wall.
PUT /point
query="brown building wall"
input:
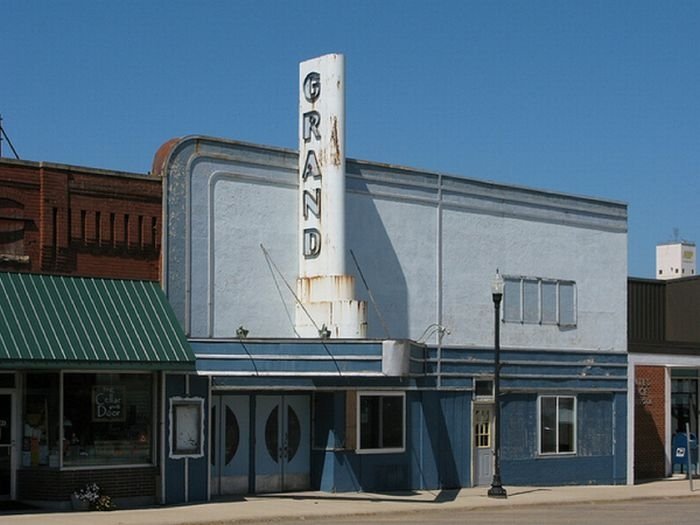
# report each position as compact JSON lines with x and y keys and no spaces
{"x":59,"y":219}
{"x":650,"y":422}
{"x":683,"y":310}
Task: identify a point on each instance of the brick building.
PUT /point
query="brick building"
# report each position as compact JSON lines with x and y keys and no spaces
{"x":58,"y":219}
{"x":664,"y":365}
{"x":86,"y":334}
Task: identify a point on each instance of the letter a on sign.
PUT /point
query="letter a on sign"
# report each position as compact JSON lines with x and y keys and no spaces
{"x":311,"y":167}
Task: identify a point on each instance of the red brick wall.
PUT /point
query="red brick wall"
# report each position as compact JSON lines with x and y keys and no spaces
{"x":649,"y":422}
{"x":79,"y":221}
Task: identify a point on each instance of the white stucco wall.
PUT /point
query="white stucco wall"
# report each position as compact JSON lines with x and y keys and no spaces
{"x":428,"y":245}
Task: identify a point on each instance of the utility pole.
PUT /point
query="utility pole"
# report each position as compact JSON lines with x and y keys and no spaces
{"x":3,"y":134}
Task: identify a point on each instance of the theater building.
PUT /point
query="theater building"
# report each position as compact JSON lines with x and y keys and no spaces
{"x":341,"y":316}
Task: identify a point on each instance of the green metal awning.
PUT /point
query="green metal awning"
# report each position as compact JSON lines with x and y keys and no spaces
{"x":51,"y":321}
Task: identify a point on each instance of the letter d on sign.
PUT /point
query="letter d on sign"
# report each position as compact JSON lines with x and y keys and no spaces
{"x":312,"y":242}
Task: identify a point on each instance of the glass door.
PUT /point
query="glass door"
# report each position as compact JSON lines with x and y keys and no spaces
{"x":6,"y":446}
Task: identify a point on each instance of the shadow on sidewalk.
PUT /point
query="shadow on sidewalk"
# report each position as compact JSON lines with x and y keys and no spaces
{"x":443,"y":496}
{"x":16,"y":507}
{"x":531,"y":491}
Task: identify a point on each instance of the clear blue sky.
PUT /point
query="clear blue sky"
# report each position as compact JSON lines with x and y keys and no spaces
{"x":598,"y":98}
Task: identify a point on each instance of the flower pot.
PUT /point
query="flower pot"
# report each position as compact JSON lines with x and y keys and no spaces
{"x":79,"y":504}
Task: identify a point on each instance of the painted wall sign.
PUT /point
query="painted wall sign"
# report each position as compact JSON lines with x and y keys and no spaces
{"x":643,"y":391}
{"x":322,"y":166}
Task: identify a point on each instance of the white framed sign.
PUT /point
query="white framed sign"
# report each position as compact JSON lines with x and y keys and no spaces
{"x":186,"y":427}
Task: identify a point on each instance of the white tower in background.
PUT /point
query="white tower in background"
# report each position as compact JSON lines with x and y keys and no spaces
{"x":327,"y":305}
{"x":675,"y":260}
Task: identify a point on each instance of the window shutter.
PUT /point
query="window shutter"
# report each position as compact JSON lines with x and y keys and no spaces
{"x":351,"y":420}
{"x":549,"y":302}
{"x":511,"y":300}
{"x":567,"y":307}
{"x":531,"y":301}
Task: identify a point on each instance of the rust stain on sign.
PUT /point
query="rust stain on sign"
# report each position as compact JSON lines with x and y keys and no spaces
{"x":335,"y":145}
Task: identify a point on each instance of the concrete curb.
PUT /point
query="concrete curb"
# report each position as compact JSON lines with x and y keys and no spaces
{"x":318,"y":506}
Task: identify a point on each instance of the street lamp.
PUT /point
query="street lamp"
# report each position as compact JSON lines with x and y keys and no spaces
{"x":497,"y":490}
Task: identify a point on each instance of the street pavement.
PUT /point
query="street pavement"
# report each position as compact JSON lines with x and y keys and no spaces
{"x":307,"y":505}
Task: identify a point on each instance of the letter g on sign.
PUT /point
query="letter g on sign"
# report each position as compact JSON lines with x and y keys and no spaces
{"x":312,"y":86}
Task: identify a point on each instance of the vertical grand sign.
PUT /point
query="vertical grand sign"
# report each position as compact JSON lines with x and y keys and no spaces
{"x":326,"y":296}
{"x":322,"y":166}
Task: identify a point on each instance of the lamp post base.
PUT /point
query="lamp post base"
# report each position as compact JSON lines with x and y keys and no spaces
{"x":497,"y":491}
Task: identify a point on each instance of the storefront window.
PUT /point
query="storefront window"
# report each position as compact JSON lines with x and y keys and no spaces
{"x":557,"y":416}
{"x":381,"y":422}
{"x":41,"y":430}
{"x":107,"y":419}
{"x":684,"y":400}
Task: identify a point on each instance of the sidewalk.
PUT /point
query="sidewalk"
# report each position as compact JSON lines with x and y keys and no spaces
{"x":302,"y":505}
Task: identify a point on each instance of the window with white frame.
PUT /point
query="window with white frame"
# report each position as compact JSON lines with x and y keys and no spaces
{"x":557,"y":424}
{"x":381,"y":422}
{"x":535,"y":300}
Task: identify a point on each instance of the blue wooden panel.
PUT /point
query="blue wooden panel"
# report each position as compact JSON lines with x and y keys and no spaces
{"x":518,"y":427}
{"x":261,"y":365}
{"x":595,"y":424}
{"x":597,"y":460}
{"x":312,"y":383}
{"x":437,"y":450}
{"x":545,"y":383}
{"x":198,"y":469}
{"x":302,"y":347}
{"x":552,"y":471}
{"x":197,"y":478}
{"x":620,"y":440}
{"x":174,"y":469}
{"x":288,"y":357}
{"x":447,"y":433}
{"x":535,"y":356}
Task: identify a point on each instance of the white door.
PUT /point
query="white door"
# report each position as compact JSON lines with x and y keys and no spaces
{"x":483,"y":444}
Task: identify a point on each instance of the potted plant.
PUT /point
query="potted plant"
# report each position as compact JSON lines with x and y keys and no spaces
{"x":84,"y":498}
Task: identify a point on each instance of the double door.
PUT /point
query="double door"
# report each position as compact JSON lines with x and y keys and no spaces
{"x":263,"y":438}
{"x":283,"y":443}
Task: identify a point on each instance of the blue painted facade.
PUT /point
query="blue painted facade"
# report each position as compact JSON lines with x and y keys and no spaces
{"x":439,"y":406}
